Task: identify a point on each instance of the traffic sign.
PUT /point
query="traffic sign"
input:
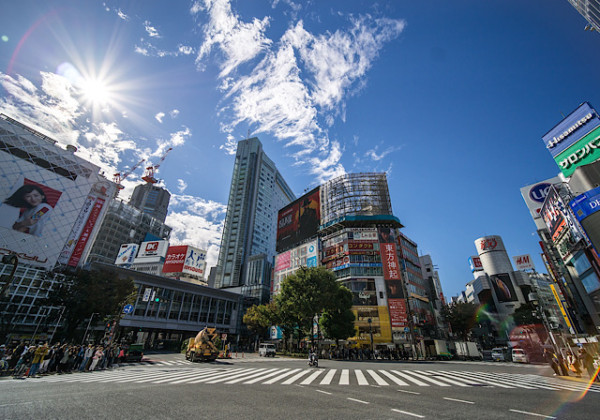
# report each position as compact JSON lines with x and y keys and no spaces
{"x":127,"y":309}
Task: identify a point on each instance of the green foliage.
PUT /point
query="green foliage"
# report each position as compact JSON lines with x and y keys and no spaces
{"x":461,"y":317}
{"x":337,"y":323}
{"x":259,"y":318}
{"x":86,"y":292}
{"x":524,"y":315}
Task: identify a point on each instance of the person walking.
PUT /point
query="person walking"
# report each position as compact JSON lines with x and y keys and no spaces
{"x":97,"y":357}
{"x":552,"y":360}
{"x":87,"y":355}
{"x":588,"y":363}
{"x":38,"y":357}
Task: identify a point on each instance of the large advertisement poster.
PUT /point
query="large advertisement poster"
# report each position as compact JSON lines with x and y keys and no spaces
{"x":552,"y":214}
{"x":42,"y":191}
{"x":398,"y":313}
{"x":571,"y":129}
{"x":299,"y":220}
{"x":505,"y":292}
{"x":175,"y":259}
{"x":389,"y":260}
{"x":195,"y":261}
{"x":86,"y":233}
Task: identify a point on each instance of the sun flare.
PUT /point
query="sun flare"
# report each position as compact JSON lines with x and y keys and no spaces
{"x":95,"y":91}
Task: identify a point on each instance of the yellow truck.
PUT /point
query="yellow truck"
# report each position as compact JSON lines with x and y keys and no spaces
{"x":202,"y":347}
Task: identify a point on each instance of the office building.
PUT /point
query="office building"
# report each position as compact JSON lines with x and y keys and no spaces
{"x":152,"y":200}
{"x":257,"y":192}
{"x":590,"y":10}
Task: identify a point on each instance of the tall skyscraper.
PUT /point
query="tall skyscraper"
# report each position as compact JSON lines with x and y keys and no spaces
{"x":590,"y":10}
{"x":257,"y":192}
{"x":152,"y":200}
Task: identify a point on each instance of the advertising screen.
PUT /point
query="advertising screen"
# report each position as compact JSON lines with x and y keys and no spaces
{"x":43,"y":189}
{"x":571,"y":129}
{"x":552,"y":215}
{"x":505,"y":292}
{"x":299,"y":220}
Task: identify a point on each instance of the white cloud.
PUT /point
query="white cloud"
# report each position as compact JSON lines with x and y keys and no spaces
{"x":122,"y":15}
{"x":159,"y":117}
{"x":374,"y":155}
{"x":174,"y":113}
{"x":295,"y":88}
{"x":185,"y":49}
{"x":181,"y":185}
{"x":141,"y":50}
{"x":151,"y":30}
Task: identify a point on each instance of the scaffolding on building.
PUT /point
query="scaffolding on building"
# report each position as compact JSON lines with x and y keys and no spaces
{"x":360,"y":194}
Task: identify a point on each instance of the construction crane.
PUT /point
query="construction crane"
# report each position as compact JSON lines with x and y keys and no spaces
{"x":119,"y":177}
{"x":149,"y":177}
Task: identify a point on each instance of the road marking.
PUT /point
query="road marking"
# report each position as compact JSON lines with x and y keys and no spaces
{"x":397,"y":381}
{"x":479,"y":379}
{"x":433,"y":381}
{"x":311,"y":378}
{"x":253,"y":375}
{"x":327,"y":379}
{"x":462,"y":401}
{"x":532,"y":414}
{"x":296,"y":376}
{"x":408,"y":413}
{"x":323,"y":392}
{"x":345,"y":377}
{"x":212,"y":376}
{"x":443,"y":378}
{"x":19,"y":403}
{"x":360,"y":401}
{"x":377,"y":378}
{"x":283,"y":375}
{"x":360,"y":377}
{"x":236,"y":376}
{"x":253,"y":381}
{"x":409,"y":392}
{"x":410,"y":378}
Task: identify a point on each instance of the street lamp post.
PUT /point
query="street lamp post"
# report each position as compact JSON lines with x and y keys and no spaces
{"x":9,"y":259}
{"x":88,"y":327}
{"x":371,"y":334}
{"x":533,"y":297}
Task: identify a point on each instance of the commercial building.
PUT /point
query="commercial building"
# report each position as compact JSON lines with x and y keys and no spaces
{"x":257,"y":192}
{"x":152,"y":200}
{"x":590,"y":10}
{"x":435,"y":293}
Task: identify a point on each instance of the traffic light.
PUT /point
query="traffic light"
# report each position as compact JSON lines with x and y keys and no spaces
{"x":157,"y":299}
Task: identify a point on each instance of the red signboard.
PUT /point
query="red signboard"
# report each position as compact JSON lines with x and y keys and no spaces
{"x":389,"y":260}
{"x":85,"y":234}
{"x":175,"y":259}
{"x":398,"y":314}
{"x":283,"y":261}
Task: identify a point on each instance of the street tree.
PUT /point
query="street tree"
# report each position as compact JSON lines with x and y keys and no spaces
{"x":526,"y":314}
{"x":86,"y":292}
{"x":258,"y":318}
{"x":461,"y":317}
{"x":337,"y":322}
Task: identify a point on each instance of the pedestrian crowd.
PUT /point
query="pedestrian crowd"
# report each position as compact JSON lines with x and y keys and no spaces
{"x":573,"y":363}
{"x":365,"y":354}
{"x":33,"y":361}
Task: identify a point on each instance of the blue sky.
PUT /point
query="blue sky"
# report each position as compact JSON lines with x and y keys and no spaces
{"x":449,"y":98}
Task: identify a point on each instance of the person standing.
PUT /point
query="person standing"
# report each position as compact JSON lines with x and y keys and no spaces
{"x":588,"y":363}
{"x":38,"y":357}
{"x":87,"y":355}
{"x":97,"y":357}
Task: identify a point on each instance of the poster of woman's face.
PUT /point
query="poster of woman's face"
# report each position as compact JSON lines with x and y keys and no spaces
{"x":28,"y":207}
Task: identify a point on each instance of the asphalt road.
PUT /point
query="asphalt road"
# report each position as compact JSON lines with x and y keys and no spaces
{"x":169,"y":387}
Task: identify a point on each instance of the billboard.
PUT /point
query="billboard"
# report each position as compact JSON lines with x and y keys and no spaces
{"x":503,"y":287}
{"x":535,"y":194}
{"x":586,"y":204}
{"x":523,"y":262}
{"x":126,"y":254}
{"x":389,"y":260}
{"x":398,"y":313}
{"x":152,"y":251}
{"x":43,"y":189}
{"x":586,"y":150}
{"x":571,"y":129}
{"x":184,"y":259}
{"x":298,"y":220}
{"x":553,"y":215}
{"x":475,"y":264}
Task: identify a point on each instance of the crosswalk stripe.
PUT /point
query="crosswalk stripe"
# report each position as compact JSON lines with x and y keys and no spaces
{"x":514,"y":378}
{"x":397,"y":381}
{"x":467,"y":382}
{"x":295,"y":377}
{"x":311,"y":378}
{"x":479,"y":379}
{"x":495,"y":378}
{"x":426,"y":378}
{"x":211,"y":376}
{"x":443,"y":378}
{"x":182,"y":378}
{"x":377,"y":378}
{"x":345,"y":377}
{"x":410,"y":378}
{"x":253,"y":381}
{"x":235,"y":376}
{"x":254,"y":375}
{"x":283,"y":375}
{"x":360,"y":377}
{"x":328,"y":377}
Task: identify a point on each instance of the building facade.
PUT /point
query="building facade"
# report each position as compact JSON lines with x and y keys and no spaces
{"x":590,"y":10}
{"x":152,"y":200}
{"x":257,"y":192}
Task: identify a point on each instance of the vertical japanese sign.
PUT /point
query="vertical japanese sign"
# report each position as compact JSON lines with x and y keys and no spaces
{"x":85,"y":234}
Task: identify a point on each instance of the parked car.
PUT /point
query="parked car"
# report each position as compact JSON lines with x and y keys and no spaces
{"x":500,"y":354}
{"x":266,"y":349}
{"x":519,"y":356}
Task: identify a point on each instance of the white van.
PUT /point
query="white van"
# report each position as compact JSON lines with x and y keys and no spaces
{"x":266,"y":349}
{"x":499,"y":354}
{"x":519,"y":356}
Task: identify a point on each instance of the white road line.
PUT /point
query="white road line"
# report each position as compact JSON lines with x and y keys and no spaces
{"x":461,"y":401}
{"x":377,"y":378}
{"x":486,"y":375}
{"x":189,"y":377}
{"x":397,"y":381}
{"x":311,"y":378}
{"x":318,"y":390}
{"x":237,"y":375}
{"x":327,"y":379}
{"x":408,"y":392}
{"x":253,"y":381}
{"x":425,"y":378}
{"x":283,"y":375}
{"x":360,"y":377}
{"x":410,"y":378}
{"x":478,"y":379}
{"x":170,"y":376}
{"x":295,"y":377}
{"x":408,"y":413}
{"x":345,"y":377}
{"x":211,"y":377}
{"x":360,"y":401}
{"x":253,"y":375}
{"x":532,"y":414}
{"x":514,"y":378}
{"x":444,"y":379}
{"x":468,"y":382}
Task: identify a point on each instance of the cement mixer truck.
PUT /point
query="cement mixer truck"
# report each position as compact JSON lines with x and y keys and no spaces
{"x":202,"y":347}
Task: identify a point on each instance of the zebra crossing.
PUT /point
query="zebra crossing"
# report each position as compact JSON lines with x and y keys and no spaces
{"x":323,"y":377}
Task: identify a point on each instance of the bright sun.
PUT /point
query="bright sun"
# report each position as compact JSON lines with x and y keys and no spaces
{"x":95,"y":91}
